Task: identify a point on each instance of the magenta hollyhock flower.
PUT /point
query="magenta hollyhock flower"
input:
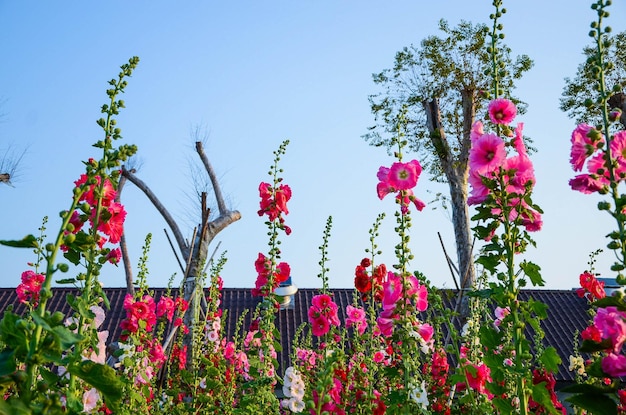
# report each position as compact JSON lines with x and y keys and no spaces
{"x":422,"y":298}
{"x":114,"y":256}
{"x":404,"y":176}
{"x":384,"y":322}
{"x":502,"y":111}
{"x":520,"y":173}
{"x":487,"y":154}
{"x":583,"y":146}
{"x":614,"y":365}
{"x":426,"y":331}
{"x":518,"y":140}
{"x":479,"y":190}
{"x":28,"y":290}
{"x":477,"y":131}
{"x":166,"y":307}
{"x":392,"y":291}
{"x":611,"y":323}
{"x":320,"y":326}
{"x":406,"y":197}
{"x":588,"y":183}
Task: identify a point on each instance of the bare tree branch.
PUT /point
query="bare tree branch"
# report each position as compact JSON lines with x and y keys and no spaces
{"x":219,"y":198}
{"x":162,"y":210}
{"x":128,"y":268}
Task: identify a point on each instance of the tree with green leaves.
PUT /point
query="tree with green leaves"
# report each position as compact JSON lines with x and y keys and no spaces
{"x":580,"y":98}
{"x":432,"y":95}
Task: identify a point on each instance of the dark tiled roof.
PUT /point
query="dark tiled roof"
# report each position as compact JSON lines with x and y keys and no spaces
{"x":566,"y":314}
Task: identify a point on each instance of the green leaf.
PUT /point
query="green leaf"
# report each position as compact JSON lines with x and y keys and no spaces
{"x":589,"y":346}
{"x":594,"y":403}
{"x":539,"y":308}
{"x":72,"y":256}
{"x":101,"y":377}
{"x":65,"y":337}
{"x":541,"y":395}
{"x":533,"y":272}
{"x":29,"y":241}
{"x":550,"y":359}
{"x":7,"y":363}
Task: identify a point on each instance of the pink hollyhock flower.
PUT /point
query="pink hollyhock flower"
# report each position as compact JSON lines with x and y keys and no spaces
{"x":479,"y":192}
{"x":614,"y":365}
{"x":487,"y":154}
{"x":383,"y":188}
{"x":477,"y":131}
{"x":583,"y":146}
{"x":90,"y":400}
{"x":406,"y":197}
{"x":356,"y":318}
{"x":531,"y":220}
{"x":518,"y":140}
{"x":28,"y":290}
{"x":392,"y":291}
{"x":404,"y":176}
{"x":166,"y":307}
{"x":520,"y":173}
{"x":114,"y":256}
{"x":426,"y":331}
{"x":611,"y":323}
{"x":320,"y":326}
{"x":384,"y":322}
{"x":100,"y":354}
{"x":321,"y":301}
{"x":477,"y":379}
{"x":587,"y":183}
{"x":502,"y":111}
{"x":422,"y":298}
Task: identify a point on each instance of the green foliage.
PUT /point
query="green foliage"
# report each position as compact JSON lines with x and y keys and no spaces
{"x":583,"y":87}
{"x":440,"y":67}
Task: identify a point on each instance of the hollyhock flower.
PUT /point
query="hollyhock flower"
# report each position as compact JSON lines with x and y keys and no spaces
{"x":89,"y":196}
{"x":591,"y":333}
{"x":477,"y":131}
{"x":591,"y":288}
{"x":611,"y":323}
{"x":521,"y":173}
{"x":407,"y":197}
{"x":166,"y":307}
{"x":356,"y":318}
{"x":518,"y":140}
{"x":273,"y":201}
{"x":99,"y":355}
{"x":113,"y":226}
{"x":320,"y":326}
{"x":614,"y":365}
{"x":478,"y":377}
{"x":583,"y":146}
{"x":404,"y":176}
{"x":501,"y":111}
{"x":487,"y":154}
{"x":28,"y":290}
{"x":419,"y":395}
{"x":90,"y":400}
{"x":384,"y":322}
{"x":589,"y":183}
{"x":421,"y":298}
{"x":479,"y":192}
{"x":180,"y":354}
{"x":362,"y":281}
{"x":114,"y":256}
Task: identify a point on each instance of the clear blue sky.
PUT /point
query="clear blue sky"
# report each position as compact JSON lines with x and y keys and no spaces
{"x":256,"y":73}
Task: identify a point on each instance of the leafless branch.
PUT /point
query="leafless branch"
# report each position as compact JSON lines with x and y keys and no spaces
{"x":180,"y":240}
{"x":219,"y":198}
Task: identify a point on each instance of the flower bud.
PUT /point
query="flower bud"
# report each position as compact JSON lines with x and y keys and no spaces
{"x":615,"y":114}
